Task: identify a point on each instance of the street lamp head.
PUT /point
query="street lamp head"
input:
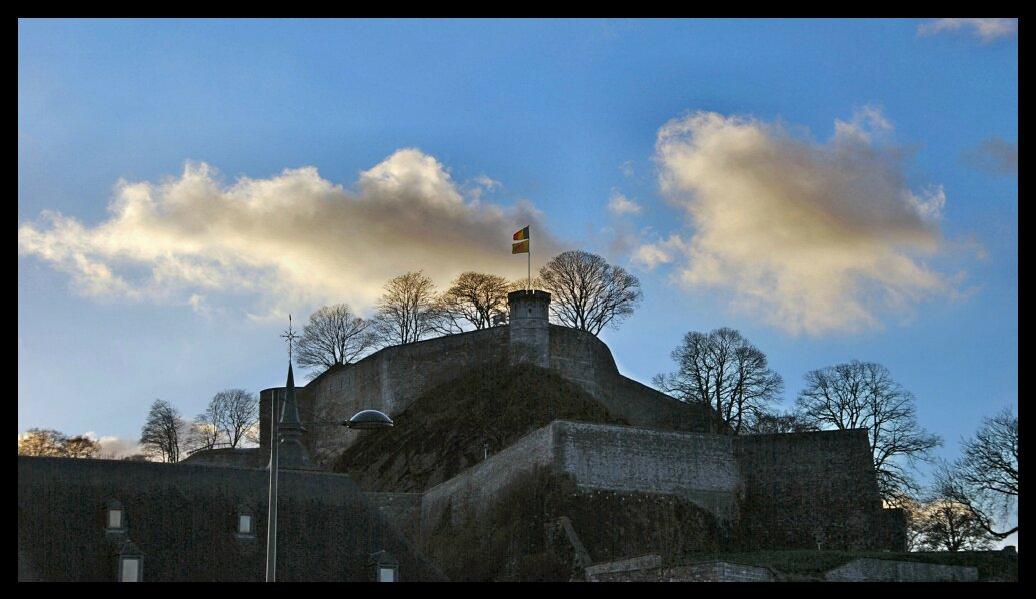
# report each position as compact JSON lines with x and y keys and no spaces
{"x":369,"y":419}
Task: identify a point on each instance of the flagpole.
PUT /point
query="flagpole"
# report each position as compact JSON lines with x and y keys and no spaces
{"x":528,"y":255}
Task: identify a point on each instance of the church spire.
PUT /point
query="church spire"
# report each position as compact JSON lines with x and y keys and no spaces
{"x":293,"y":454}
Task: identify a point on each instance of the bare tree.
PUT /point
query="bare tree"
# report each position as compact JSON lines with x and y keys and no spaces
{"x":163,"y":432}
{"x":228,"y":419}
{"x":239,"y":414}
{"x":80,"y":447}
{"x":204,"y":431}
{"x":863,"y":395}
{"x":407,"y":310}
{"x":947,"y":525}
{"x":587,"y":292}
{"x":723,"y":370}
{"x":475,"y":297}
{"x":334,"y":335}
{"x":985,"y":478}
{"x":41,"y":442}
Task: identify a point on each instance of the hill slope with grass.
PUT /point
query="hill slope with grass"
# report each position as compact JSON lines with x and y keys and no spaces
{"x":449,"y":427}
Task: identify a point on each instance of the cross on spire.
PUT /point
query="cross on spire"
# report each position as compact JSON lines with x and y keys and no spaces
{"x":289,"y":336}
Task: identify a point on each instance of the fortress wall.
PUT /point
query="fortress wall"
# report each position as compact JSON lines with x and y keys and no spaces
{"x":697,"y":466}
{"x":476,"y":485}
{"x":387,"y":380}
{"x":586,"y":360}
{"x":810,"y":490}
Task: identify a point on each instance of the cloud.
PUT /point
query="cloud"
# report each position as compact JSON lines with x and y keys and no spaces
{"x":810,"y":237}
{"x":995,"y":156}
{"x":620,"y":205}
{"x":114,"y":447}
{"x":283,"y":241}
{"x":986,"y":29}
{"x":650,"y":255}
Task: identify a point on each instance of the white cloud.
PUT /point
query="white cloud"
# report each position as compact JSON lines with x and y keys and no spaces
{"x":650,"y":255}
{"x":290,"y":239}
{"x":986,"y":29}
{"x":810,"y":237}
{"x":621,"y":205}
{"x":114,"y":447}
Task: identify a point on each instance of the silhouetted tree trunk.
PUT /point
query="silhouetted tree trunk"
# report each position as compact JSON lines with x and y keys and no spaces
{"x":239,"y":415}
{"x":407,"y":309}
{"x":723,"y":370}
{"x":473,"y":298}
{"x":163,"y":432}
{"x":985,"y":478}
{"x":587,"y":293}
{"x":334,"y":336}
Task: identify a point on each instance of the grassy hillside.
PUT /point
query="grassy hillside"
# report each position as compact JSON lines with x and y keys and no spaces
{"x":446,"y":429}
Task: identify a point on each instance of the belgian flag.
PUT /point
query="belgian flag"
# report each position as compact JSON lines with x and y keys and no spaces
{"x":522,"y":237}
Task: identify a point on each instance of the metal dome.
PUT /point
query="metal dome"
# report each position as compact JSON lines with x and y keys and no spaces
{"x":368,"y":419}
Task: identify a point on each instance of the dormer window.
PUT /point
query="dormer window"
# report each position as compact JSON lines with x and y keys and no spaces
{"x":115,"y":519}
{"x":130,"y":563}
{"x":386,"y":568}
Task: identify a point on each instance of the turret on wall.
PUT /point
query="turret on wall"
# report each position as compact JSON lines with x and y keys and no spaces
{"x":530,"y":327}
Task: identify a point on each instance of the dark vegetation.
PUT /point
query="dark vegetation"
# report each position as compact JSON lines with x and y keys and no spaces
{"x":516,"y":539}
{"x":452,"y":426}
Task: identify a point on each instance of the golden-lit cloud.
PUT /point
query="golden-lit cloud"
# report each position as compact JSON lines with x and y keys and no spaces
{"x":809,"y":237}
{"x":287,"y":240}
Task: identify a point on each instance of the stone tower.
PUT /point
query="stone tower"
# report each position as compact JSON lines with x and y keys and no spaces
{"x":530,"y":327}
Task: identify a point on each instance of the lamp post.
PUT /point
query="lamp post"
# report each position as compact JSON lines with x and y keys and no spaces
{"x":362,"y":420}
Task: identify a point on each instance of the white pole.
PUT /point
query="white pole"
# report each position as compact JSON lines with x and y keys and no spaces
{"x":271,"y":520}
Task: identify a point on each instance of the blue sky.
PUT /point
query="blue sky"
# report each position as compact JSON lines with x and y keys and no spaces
{"x":509,"y":120}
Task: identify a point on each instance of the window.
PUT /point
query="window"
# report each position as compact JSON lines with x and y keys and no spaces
{"x":244,"y":524}
{"x":130,"y":563}
{"x":386,"y":568}
{"x":115,"y":518}
{"x":130,"y":569}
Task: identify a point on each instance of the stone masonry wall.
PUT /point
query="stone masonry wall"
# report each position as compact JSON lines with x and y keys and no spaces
{"x":812,"y":490}
{"x":697,"y":466}
{"x":390,"y":379}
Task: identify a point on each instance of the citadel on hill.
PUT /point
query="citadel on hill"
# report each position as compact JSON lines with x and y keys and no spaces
{"x":488,"y":423}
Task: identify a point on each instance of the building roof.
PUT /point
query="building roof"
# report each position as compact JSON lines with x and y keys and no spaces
{"x":183,"y":518}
